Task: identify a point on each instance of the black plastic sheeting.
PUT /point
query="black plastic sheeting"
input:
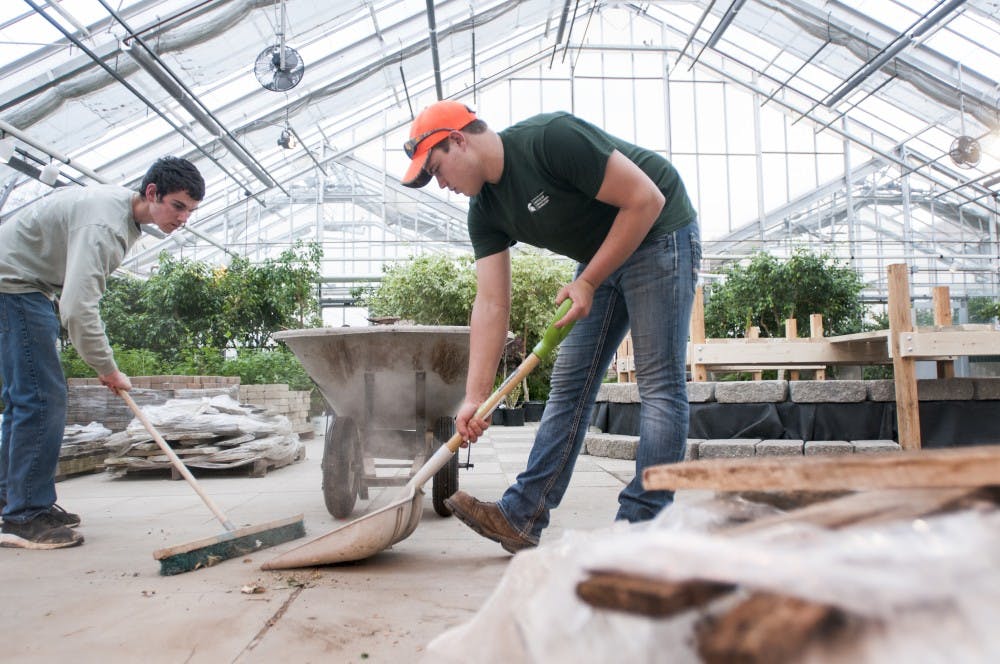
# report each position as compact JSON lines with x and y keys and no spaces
{"x":942,"y":423}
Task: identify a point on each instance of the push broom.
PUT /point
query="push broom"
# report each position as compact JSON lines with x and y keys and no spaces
{"x":234,"y":542}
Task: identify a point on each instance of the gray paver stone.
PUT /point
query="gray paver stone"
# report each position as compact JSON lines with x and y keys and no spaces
{"x":700,"y":392}
{"x":611,"y":445}
{"x":754,"y":391}
{"x":945,"y":389}
{"x":986,"y":389}
{"x":875,"y":446}
{"x":691,"y":450}
{"x":828,"y":447}
{"x":730,"y":448}
{"x":827,"y":391}
{"x":779,"y":448}
{"x":618,"y":393}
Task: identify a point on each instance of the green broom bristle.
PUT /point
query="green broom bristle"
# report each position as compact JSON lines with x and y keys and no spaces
{"x":212,"y":551}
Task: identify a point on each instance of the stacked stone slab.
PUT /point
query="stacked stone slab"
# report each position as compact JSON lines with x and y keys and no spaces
{"x":277,"y":399}
{"x":830,"y":391}
{"x":89,"y":401}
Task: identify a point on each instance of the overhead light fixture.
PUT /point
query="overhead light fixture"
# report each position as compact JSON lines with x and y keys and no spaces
{"x":50,"y":173}
{"x":6,"y":149}
{"x":286,"y":140}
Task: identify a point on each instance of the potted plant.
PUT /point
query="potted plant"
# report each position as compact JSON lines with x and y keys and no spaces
{"x":512,"y":409}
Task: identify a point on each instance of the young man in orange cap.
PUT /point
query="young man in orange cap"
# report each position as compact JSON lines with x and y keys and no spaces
{"x":621,"y":211}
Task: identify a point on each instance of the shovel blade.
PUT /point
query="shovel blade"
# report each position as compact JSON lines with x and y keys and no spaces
{"x":359,"y":539}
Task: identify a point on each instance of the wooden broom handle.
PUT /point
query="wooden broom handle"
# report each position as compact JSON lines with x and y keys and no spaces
{"x":175,"y":460}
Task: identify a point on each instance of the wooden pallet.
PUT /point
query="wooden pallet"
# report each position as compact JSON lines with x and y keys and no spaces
{"x":80,"y":464}
{"x":259,"y":467}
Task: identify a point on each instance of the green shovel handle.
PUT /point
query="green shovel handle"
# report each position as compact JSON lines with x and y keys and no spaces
{"x":554,"y":335}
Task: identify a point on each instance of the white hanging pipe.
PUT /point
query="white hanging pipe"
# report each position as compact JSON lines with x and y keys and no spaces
{"x":51,"y":152}
{"x":281,"y":39}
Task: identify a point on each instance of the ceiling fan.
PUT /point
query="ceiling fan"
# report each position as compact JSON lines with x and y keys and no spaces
{"x":279,"y":68}
{"x":965,"y":150}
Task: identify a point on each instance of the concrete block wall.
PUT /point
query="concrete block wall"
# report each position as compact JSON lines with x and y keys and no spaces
{"x":620,"y":446}
{"x":775,"y":391}
{"x":817,"y":391}
{"x":278,"y":399}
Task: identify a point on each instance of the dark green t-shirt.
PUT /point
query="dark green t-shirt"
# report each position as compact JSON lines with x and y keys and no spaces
{"x":553,"y":167}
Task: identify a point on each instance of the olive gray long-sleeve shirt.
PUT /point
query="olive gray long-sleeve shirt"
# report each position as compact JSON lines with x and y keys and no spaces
{"x":66,"y":245}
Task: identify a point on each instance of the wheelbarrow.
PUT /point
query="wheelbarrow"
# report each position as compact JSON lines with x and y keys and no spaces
{"x":393,"y":391}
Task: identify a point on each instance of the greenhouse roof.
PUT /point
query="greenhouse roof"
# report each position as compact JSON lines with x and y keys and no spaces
{"x":859,"y":98}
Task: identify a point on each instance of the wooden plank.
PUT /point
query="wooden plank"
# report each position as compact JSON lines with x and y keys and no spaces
{"x":791,"y":332}
{"x":768,"y":629}
{"x":765,"y":367}
{"x":869,"y":508}
{"x":783,"y":352}
{"x":874,"y":336}
{"x":657,"y":597}
{"x":942,"y":318}
{"x":946,"y":468}
{"x":698,"y":372}
{"x":948,"y":343}
{"x":753,"y":334}
{"x":816,"y":334}
{"x":903,"y":368}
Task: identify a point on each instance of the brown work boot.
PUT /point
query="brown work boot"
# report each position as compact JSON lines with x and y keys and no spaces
{"x":487,"y":520}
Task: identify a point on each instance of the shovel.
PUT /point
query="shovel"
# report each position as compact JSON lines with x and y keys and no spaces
{"x":380,"y":529}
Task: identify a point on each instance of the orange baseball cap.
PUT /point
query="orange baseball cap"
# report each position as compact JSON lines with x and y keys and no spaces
{"x":429,"y":128}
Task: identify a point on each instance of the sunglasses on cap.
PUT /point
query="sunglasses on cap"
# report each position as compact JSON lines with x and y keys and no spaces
{"x":410,"y":146}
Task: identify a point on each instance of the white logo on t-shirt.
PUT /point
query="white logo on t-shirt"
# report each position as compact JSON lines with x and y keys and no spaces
{"x":538,"y":201}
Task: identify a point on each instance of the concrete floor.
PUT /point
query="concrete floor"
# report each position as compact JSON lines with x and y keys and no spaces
{"x":106,"y":600}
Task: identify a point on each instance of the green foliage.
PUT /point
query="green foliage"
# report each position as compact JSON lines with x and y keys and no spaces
{"x":273,"y":295}
{"x":428,"y":290}
{"x":202,"y":361}
{"x":73,"y":366}
{"x":983,"y":309}
{"x":132,"y":362}
{"x":439,"y":290}
{"x":767,"y":291}
{"x":535,"y":281}
{"x":262,"y":366}
{"x":188,"y":304}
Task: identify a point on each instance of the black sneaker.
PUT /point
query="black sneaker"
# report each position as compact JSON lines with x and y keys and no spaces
{"x":43,"y":532}
{"x":65,"y":518}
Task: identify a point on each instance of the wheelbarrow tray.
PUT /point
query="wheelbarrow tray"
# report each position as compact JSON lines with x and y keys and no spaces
{"x":369,"y":373}
{"x":394,"y":391}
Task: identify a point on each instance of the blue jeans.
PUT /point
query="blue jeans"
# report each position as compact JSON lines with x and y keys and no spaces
{"x":34,"y":397}
{"x":651,"y":293}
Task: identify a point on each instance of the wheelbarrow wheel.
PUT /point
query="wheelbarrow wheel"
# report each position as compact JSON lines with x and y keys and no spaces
{"x":341,"y":467}
{"x":446,"y":479}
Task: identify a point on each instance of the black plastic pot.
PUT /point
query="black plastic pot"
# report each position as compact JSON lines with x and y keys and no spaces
{"x":533,"y":410}
{"x":513,"y":417}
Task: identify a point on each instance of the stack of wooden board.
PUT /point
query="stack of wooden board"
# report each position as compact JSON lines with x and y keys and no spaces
{"x":854,"y":494}
{"x":216,"y":433}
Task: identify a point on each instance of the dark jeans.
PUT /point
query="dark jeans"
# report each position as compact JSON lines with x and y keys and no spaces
{"x":651,"y":293}
{"x":34,"y":397}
